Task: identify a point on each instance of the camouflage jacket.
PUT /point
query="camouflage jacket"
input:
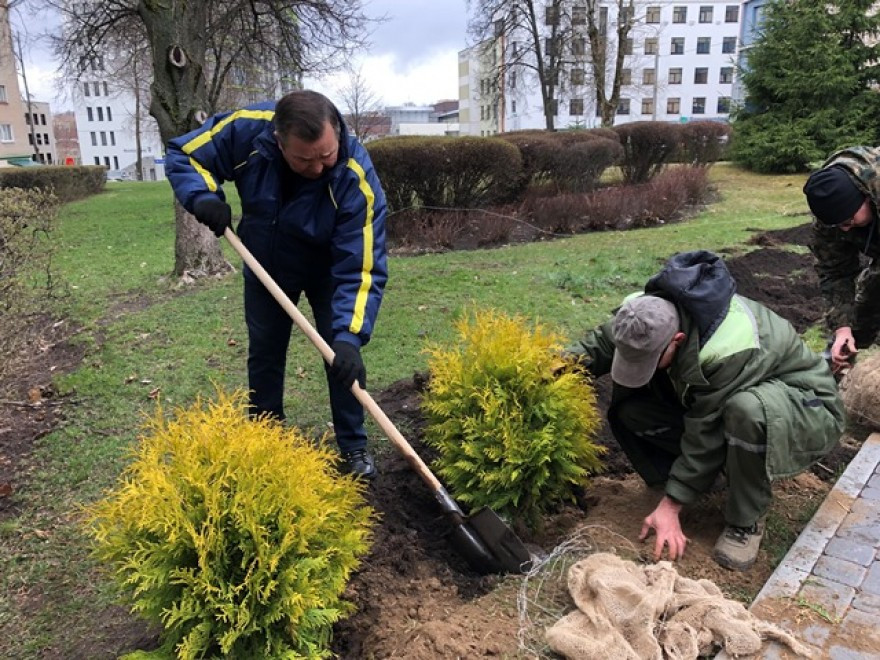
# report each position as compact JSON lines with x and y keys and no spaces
{"x":847,"y":261}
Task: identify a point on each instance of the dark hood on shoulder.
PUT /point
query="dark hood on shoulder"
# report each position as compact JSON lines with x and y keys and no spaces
{"x":699,"y":283}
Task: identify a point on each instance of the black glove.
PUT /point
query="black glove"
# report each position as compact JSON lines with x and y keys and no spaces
{"x":213,"y":212}
{"x":347,"y":364}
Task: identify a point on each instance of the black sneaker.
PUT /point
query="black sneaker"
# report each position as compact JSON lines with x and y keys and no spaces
{"x":360,"y":463}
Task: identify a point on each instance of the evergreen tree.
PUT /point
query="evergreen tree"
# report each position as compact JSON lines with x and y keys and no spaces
{"x":810,"y":81}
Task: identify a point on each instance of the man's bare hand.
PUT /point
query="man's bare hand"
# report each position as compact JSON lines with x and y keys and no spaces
{"x":843,"y":349}
{"x":665,"y":523}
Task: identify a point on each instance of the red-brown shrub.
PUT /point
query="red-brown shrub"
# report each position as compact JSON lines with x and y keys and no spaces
{"x":703,"y":142}
{"x":647,"y":147}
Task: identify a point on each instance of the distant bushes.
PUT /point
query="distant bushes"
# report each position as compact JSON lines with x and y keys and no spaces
{"x":65,"y":182}
{"x":448,"y":193}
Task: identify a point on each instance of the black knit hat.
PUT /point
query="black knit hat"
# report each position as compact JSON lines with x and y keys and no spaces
{"x":833,"y":196}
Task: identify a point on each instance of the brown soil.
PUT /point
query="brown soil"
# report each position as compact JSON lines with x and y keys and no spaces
{"x":415,"y":597}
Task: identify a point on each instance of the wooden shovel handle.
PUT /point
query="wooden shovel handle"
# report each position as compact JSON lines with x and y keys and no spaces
{"x":361,"y":394}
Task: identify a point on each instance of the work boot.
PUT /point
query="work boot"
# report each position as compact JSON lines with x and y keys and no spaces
{"x":737,"y":547}
{"x":360,"y":463}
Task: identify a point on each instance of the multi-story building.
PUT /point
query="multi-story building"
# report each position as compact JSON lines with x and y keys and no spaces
{"x":752,"y":17}
{"x":679,"y":62}
{"x":41,"y":136}
{"x":113,"y":127}
{"x":13,"y":129}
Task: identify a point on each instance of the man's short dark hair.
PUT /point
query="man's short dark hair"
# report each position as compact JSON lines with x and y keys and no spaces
{"x":302,"y":114}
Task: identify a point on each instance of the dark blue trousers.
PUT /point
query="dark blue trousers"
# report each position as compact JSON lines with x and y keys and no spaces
{"x":269,"y":328}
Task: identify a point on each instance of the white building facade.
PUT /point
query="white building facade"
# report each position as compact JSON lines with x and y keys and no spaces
{"x":107,"y":129}
{"x":679,"y":63}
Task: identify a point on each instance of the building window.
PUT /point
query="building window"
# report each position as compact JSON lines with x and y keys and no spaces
{"x":701,"y":75}
{"x":554,"y":107}
{"x":706,"y":14}
{"x":624,"y":15}
{"x":677,"y":46}
{"x":673,"y":106}
{"x":704,"y":45}
{"x":113,"y":140}
{"x":626,"y":76}
{"x":699,"y":105}
{"x":623,"y":107}
{"x":109,"y":114}
{"x":728,"y":45}
{"x":628,"y":46}
{"x":652,"y":46}
{"x":46,"y":138}
{"x":513,"y":107}
{"x":647,"y":106}
{"x":551,"y":15}
{"x":579,"y":15}
{"x":512,"y":79}
{"x":731,"y":14}
{"x":576,"y":107}
{"x":94,"y":138}
{"x":43,"y":119}
{"x":100,"y":113}
{"x":579,"y":46}
{"x":649,"y":76}
{"x":103,"y":138}
{"x":550,"y":46}
{"x":577,"y":76}
{"x":97,"y":161}
{"x":115,"y":162}
{"x":675,"y":76}
{"x":652,"y":15}
{"x":86,"y":89}
{"x":107,"y":162}
{"x":679,"y":14}
{"x":30,"y":139}
{"x":726,"y":75}
{"x":27,"y":119}
{"x":3,"y":97}
{"x":105,"y":89}
{"x":603,"y":20}
{"x":723,"y":105}
{"x":96,"y":89}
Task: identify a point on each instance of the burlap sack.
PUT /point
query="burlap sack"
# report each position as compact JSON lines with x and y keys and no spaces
{"x":860,"y":390}
{"x":627,"y":611}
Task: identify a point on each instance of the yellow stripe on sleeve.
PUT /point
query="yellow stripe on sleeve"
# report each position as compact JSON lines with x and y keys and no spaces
{"x":206,"y":175}
{"x":360,"y":303}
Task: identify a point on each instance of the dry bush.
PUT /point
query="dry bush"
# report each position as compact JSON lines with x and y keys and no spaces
{"x":493,"y":229}
{"x":578,"y":166}
{"x":26,"y":221}
{"x":561,"y":214}
{"x":703,"y":142}
{"x":648,"y":147}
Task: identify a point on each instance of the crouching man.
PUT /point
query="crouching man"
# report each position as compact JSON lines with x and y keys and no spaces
{"x":709,"y":382}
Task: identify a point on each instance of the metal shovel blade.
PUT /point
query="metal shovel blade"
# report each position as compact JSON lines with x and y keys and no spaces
{"x":505,"y":546}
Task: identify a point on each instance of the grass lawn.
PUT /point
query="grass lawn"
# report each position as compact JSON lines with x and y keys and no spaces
{"x":141,"y":333}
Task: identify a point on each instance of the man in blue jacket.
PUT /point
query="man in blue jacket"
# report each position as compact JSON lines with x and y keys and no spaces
{"x":313,"y":215}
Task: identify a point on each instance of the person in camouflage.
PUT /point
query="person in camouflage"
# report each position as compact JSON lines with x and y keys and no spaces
{"x":844,"y":195}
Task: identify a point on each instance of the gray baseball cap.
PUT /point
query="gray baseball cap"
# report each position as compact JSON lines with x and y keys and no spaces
{"x":642,"y":329}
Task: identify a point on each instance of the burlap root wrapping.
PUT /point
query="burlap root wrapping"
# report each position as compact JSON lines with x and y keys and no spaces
{"x":632,"y":612}
{"x":860,"y":390}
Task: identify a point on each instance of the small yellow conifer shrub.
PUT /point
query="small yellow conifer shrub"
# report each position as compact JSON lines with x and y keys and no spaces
{"x":511,"y":434}
{"x":238,"y":537}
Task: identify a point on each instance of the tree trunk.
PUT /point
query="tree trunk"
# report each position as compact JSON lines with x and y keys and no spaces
{"x":178,"y":93}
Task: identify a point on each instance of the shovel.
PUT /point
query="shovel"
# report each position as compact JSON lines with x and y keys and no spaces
{"x":483,"y":539}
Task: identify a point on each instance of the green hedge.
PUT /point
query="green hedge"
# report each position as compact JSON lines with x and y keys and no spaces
{"x":67,"y":183}
{"x":446,"y":172}
{"x":648,"y":146}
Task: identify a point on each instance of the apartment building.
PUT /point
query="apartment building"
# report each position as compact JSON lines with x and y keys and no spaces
{"x":679,"y":63}
{"x":111,"y":124}
{"x":13,"y":129}
{"x":41,"y":134}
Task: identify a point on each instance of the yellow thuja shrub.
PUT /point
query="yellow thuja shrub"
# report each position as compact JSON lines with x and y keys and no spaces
{"x":237,"y":536}
{"x":512,"y":434}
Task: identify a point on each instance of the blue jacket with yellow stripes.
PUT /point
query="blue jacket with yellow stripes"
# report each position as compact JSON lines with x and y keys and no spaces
{"x":298,"y":229}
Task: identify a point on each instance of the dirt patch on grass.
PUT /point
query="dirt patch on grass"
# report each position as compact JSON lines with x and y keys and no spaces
{"x":415,"y":597}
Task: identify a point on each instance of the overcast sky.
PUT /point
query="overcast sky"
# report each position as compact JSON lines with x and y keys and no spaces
{"x":413,"y":57}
